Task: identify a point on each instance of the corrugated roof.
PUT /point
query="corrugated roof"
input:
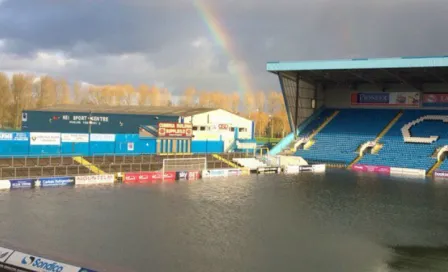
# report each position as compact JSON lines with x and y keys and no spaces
{"x":361,"y":63}
{"x":143,"y":110}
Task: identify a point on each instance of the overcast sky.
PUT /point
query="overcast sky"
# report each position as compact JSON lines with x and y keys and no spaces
{"x":166,"y":42}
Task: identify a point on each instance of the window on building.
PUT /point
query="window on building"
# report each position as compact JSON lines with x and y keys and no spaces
{"x":202,"y":128}
{"x":195,"y":128}
{"x":242,"y":129}
{"x":232,"y":129}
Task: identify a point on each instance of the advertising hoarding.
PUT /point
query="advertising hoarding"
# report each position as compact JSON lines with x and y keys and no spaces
{"x":94,"y":179}
{"x":21,"y":183}
{"x":35,"y":263}
{"x":74,"y":138}
{"x":436,"y":100}
{"x":371,"y":168}
{"x":13,"y":136}
{"x":55,"y":182}
{"x":176,"y":130}
{"x":45,"y":138}
{"x":408,"y":99}
{"x":102,"y":137}
{"x":5,"y":184}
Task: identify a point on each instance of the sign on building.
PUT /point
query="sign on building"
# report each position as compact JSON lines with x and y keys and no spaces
{"x":175,"y":130}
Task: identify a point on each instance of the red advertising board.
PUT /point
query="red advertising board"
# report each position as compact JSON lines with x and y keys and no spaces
{"x":371,"y":168}
{"x":194,"y":175}
{"x":148,"y":177}
{"x":435,"y":100}
{"x":175,"y":130}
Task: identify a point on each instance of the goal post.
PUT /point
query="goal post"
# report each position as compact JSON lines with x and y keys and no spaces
{"x":184,"y":164}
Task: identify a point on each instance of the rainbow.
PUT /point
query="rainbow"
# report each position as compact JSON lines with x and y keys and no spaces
{"x":223,"y":39}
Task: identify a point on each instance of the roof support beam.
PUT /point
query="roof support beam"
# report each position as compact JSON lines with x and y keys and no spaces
{"x":326,"y":75}
{"x":404,"y":80}
{"x":362,"y":76}
{"x":438,"y":76}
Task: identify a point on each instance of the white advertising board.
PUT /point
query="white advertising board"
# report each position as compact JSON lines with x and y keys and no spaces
{"x":318,"y":168}
{"x":5,"y":184}
{"x":102,"y":137}
{"x":94,"y":179}
{"x":292,"y":169}
{"x":212,"y":173}
{"x":74,"y":138}
{"x":4,"y":254}
{"x":407,"y":172}
{"x":45,"y":138}
{"x":35,"y":263}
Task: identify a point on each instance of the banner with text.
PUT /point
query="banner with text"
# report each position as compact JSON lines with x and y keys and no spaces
{"x":394,"y":171}
{"x":26,"y":262}
{"x":13,"y":136}
{"x":45,"y":138}
{"x":148,"y":177}
{"x":21,"y":183}
{"x":407,"y":99}
{"x":441,"y":174}
{"x":74,"y":138}
{"x":94,"y":179}
{"x":54,"y":182}
{"x":102,"y":137}
{"x":371,"y":168}
{"x":176,"y":130}
{"x":436,"y":100}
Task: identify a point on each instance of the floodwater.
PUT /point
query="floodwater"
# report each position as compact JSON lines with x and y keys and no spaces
{"x":338,"y":221}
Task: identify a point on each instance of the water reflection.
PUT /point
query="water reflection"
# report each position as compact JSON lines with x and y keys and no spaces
{"x":337,"y":221}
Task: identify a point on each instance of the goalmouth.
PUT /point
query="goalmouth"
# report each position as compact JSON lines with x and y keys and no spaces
{"x":184,"y":164}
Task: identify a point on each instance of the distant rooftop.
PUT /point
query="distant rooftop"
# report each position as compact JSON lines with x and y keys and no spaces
{"x":142,"y":110}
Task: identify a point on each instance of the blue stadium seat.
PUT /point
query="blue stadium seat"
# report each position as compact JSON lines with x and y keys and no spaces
{"x":339,"y":140}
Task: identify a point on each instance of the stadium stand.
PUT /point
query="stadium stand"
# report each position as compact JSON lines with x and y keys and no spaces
{"x":444,"y":166}
{"x":398,"y":153}
{"x":33,"y":167}
{"x":339,"y":140}
{"x":392,"y":112}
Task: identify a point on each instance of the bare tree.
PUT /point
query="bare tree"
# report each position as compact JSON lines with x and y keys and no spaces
{"x":6,"y":98}
{"x":21,"y":95}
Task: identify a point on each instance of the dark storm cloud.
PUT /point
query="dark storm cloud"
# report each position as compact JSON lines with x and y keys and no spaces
{"x":111,"y":27}
{"x":162,"y":31}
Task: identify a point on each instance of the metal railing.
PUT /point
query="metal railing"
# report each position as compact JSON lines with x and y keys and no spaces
{"x":30,"y":167}
{"x":38,"y":160}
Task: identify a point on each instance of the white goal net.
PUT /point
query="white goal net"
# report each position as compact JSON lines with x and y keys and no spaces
{"x":184,"y":164}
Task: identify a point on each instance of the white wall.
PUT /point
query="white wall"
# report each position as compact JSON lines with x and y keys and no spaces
{"x":206,"y":126}
{"x":340,"y":97}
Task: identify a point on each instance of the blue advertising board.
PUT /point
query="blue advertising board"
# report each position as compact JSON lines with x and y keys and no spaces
{"x":14,"y":136}
{"x":21,"y":183}
{"x":55,"y":182}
